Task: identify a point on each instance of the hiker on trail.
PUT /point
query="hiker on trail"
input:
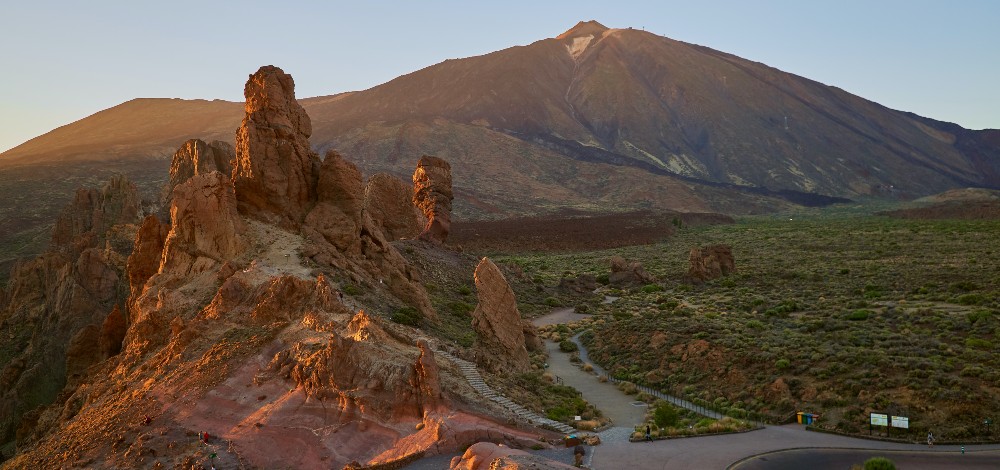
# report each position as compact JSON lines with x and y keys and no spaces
{"x":930,"y":439}
{"x":205,"y":438}
{"x":649,"y":435}
{"x":578,"y":453}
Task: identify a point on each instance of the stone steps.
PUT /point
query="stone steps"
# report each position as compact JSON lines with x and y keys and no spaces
{"x":471,"y":374}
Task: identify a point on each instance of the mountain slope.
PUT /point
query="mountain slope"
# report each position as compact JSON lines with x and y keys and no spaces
{"x":594,"y":120}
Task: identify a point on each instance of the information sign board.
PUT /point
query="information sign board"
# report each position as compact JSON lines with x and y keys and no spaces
{"x":879,"y":419}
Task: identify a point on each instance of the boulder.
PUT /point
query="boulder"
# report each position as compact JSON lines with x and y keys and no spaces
{"x":389,"y":202}
{"x":500,"y":340}
{"x":582,"y":284}
{"x":710,"y":262}
{"x":625,"y":273}
{"x":275,"y":170}
{"x":432,"y":194}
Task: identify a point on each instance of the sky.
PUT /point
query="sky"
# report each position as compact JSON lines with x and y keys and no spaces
{"x":63,"y":61}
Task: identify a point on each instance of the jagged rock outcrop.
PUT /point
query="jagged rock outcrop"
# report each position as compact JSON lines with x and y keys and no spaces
{"x":389,"y":202}
{"x":195,"y":157}
{"x":85,"y":221}
{"x":432,"y":194}
{"x":57,"y":303}
{"x":206,"y":229}
{"x":112,"y":333}
{"x":500,"y":343}
{"x":710,"y":262}
{"x":581,"y":284}
{"x":146,"y":255}
{"x":340,"y":197}
{"x":275,"y":170}
{"x":624,"y":273}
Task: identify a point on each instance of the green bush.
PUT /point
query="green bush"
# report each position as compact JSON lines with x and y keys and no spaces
{"x":351,"y":289}
{"x":604,"y":279}
{"x":464,"y":290}
{"x":970,"y":299}
{"x":568,"y":346}
{"x":582,"y":308}
{"x":406,"y":316}
{"x":859,"y":315}
{"x":879,"y":463}
{"x":459,"y":308}
{"x":981,"y":315}
{"x":665,"y":415}
{"x":782,"y":363}
{"x":553,"y":302}
{"x":978,"y":343}
{"x":650,"y":288}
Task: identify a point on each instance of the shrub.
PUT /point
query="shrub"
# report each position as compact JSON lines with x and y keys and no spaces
{"x":978,"y":343}
{"x":979,"y":315}
{"x":782,"y":364}
{"x":406,"y":316}
{"x":568,"y":346}
{"x":582,"y":308}
{"x":604,"y":279}
{"x":879,"y":463}
{"x":553,"y":302}
{"x":859,"y":315}
{"x":650,"y":288}
{"x":351,"y":289}
{"x":464,"y":290}
{"x":665,"y":415}
{"x":970,"y":299}
{"x":628,"y":388}
{"x":459,"y":308}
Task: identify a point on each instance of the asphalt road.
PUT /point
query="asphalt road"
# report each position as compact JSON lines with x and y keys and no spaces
{"x":841,"y":459}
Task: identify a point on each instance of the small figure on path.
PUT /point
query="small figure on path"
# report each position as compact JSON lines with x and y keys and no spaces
{"x":578,"y":453}
{"x":930,"y":439}
{"x":146,"y":420}
{"x":649,"y":435}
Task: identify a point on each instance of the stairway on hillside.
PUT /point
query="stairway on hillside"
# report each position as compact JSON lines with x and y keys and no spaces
{"x":472,"y":375}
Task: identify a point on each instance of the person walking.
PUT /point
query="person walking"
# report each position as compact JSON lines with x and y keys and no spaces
{"x":578,"y":452}
{"x":930,"y":439}
{"x":649,"y":434}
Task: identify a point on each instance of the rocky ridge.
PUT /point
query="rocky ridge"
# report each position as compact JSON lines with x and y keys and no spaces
{"x":233,"y":319}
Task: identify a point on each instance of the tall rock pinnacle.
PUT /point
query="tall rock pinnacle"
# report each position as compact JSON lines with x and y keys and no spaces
{"x":276,"y":171}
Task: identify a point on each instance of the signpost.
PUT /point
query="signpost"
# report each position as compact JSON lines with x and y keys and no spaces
{"x":879,"y":419}
{"x":901,"y":422}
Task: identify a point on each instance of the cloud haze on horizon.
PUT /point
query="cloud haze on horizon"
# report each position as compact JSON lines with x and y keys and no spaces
{"x":67,"y":60}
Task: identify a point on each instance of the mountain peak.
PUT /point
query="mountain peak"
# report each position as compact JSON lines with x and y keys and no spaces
{"x":583,"y":28}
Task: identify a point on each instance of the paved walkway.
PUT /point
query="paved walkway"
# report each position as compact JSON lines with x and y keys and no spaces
{"x":476,"y":381}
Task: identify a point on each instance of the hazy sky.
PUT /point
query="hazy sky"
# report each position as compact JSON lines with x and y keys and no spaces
{"x":63,"y":61}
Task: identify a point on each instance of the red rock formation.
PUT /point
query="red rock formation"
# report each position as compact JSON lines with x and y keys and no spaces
{"x":625,"y":273}
{"x":432,"y":194}
{"x":337,"y":215}
{"x":206,"y":229}
{"x":64,"y":295}
{"x":389,"y":202}
{"x":275,"y":171}
{"x":195,"y":157}
{"x":500,"y":340}
{"x":93,"y":212}
{"x":710,"y":262}
{"x":112,"y":333}
{"x":490,"y":456}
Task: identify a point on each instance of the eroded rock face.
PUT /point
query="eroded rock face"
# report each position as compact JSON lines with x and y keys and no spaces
{"x":206,"y":229}
{"x":500,"y":340}
{"x":195,"y":157}
{"x":146,"y":255}
{"x":65,"y":295}
{"x":275,"y":172}
{"x":389,"y":202}
{"x":490,"y":456}
{"x":93,"y":212}
{"x":337,"y":215}
{"x":432,"y":194}
{"x":625,"y":273}
{"x":710,"y":262}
